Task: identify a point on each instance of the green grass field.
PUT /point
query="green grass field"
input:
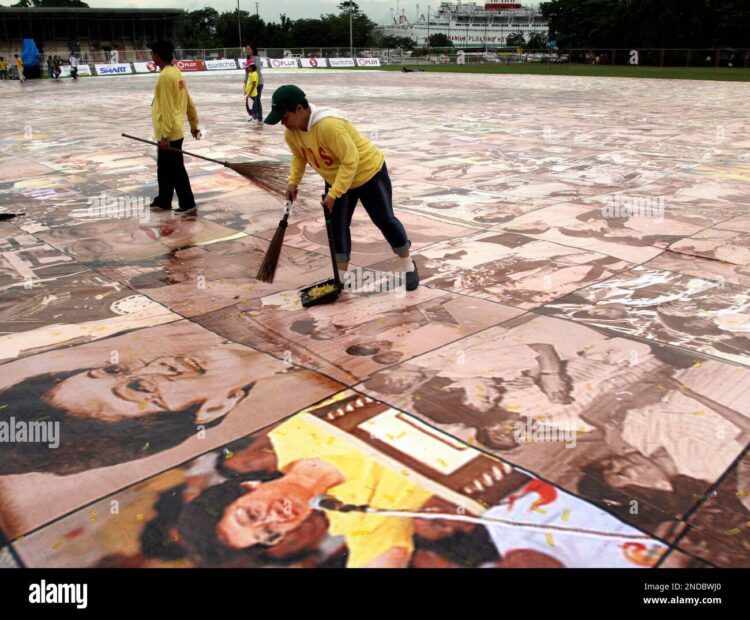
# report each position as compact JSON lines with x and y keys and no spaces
{"x":664,"y":73}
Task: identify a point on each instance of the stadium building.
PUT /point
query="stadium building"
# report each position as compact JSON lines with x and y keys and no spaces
{"x":94,"y":32}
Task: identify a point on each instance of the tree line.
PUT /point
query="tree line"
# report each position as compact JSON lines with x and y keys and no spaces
{"x":649,"y":23}
{"x":207,"y":28}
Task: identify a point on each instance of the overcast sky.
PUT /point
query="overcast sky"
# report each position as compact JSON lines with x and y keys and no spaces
{"x":376,"y":10}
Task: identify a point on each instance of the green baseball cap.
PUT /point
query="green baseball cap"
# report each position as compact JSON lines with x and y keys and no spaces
{"x":285,"y":99}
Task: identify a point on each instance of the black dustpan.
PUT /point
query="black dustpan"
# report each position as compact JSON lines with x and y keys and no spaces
{"x":328,"y":291}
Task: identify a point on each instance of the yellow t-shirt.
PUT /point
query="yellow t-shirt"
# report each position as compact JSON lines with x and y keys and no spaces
{"x":337,"y":152}
{"x":367,"y":482}
{"x":171,"y":104}
{"x":3,"y":65}
{"x":251,"y":86}
{"x":19,"y":62}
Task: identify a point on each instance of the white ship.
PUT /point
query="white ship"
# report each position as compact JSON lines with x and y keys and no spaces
{"x":468,"y":24}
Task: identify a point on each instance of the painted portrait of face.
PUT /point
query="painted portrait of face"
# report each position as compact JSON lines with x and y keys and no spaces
{"x":113,"y":413}
{"x":264,"y":515}
{"x":213,"y":381}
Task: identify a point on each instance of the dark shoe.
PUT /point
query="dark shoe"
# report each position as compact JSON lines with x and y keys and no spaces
{"x":155,"y":205}
{"x":412,"y":278}
{"x":186,"y":210}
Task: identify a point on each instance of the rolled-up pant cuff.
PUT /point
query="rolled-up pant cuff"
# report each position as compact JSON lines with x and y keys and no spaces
{"x":402,"y":248}
{"x":342,"y":258}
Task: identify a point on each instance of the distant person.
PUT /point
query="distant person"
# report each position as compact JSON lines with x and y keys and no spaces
{"x":171,"y":104}
{"x":56,"y":67}
{"x":19,"y":68}
{"x":259,"y":69}
{"x":50,"y":66}
{"x":3,"y":68}
{"x":251,"y":93}
{"x":73,"y":60}
{"x":708,"y":61}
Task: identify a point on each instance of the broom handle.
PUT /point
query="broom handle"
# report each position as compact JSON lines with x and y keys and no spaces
{"x":287,"y":212}
{"x":329,"y":232}
{"x":215,"y":161}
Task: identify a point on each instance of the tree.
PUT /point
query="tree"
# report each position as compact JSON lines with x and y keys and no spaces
{"x":538,"y":41}
{"x":344,"y":8}
{"x":227,"y":32}
{"x":390,"y":42}
{"x":206,"y":28}
{"x":439,"y":39}
{"x":515,"y":39}
{"x":649,"y":23}
{"x":198,"y":29}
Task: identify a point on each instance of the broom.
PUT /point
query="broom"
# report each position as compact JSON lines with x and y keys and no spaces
{"x":267,"y":269}
{"x":271,"y":177}
{"x":330,"y":503}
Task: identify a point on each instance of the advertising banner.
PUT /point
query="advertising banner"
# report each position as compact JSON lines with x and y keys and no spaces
{"x":82,"y":70}
{"x":284,"y":63}
{"x":313,"y":63}
{"x":222,"y":64}
{"x":341,"y":62}
{"x":368,"y":62}
{"x":145,"y":67}
{"x":243,"y":61}
{"x":118,"y":69}
{"x":189,"y":65}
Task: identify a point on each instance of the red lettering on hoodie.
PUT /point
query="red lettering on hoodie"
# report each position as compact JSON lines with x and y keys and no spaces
{"x":325,"y":157}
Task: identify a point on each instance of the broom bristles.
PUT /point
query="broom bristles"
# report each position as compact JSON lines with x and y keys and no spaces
{"x":269,"y":176}
{"x":267,"y":270}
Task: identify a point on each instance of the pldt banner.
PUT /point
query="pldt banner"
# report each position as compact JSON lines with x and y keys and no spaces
{"x":368,"y":62}
{"x":189,"y":65}
{"x":284,"y":63}
{"x":145,"y":67}
{"x":118,"y":69}
{"x":341,"y":62}
{"x":313,"y":63}
{"x":224,"y":63}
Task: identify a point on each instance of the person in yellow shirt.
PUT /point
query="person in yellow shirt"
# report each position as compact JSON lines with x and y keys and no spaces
{"x":251,"y":91}
{"x":171,"y":104}
{"x":19,"y":68}
{"x":353,"y":168}
{"x":3,"y":68}
{"x":315,"y":461}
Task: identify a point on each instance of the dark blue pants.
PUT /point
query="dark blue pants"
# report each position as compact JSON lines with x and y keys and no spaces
{"x":172,"y":176}
{"x":377,"y":198}
{"x":258,"y":106}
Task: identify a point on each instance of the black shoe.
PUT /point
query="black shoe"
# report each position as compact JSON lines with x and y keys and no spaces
{"x":186,"y":210}
{"x":412,"y":278}
{"x":155,"y":205}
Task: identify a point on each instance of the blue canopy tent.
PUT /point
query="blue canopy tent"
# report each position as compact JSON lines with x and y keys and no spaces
{"x":31,"y":59}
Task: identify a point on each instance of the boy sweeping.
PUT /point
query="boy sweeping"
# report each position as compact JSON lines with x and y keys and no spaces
{"x":352,"y":167}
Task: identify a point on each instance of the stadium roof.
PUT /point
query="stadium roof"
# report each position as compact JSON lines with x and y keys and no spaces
{"x":82,"y":10}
